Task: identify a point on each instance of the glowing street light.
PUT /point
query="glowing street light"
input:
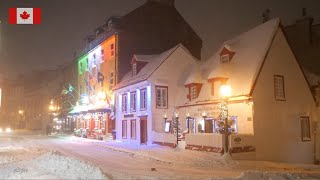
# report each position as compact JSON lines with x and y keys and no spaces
{"x":20,"y":111}
{"x":225,"y":92}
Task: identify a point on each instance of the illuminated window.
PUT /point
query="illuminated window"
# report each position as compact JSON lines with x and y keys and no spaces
{"x":224,"y":58}
{"x":305,"y":128}
{"x":112,"y":49}
{"x":279,"y":91}
{"x":162,"y":97}
{"x":81,"y":68}
{"x":102,"y":55}
{"x":87,"y":60}
{"x":124,"y":102}
{"x":111,"y":78}
{"x":124,"y":129}
{"x":133,"y":101}
{"x":194,"y":93}
{"x":133,"y":132}
{"x":134,"y":69}
{"x":143,"y":99}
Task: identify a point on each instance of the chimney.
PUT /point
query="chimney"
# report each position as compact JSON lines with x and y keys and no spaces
{"x":164,"y":2}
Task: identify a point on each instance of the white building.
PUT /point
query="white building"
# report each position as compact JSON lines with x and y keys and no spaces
{"x":148,"y":92}
{"x":271,"y":108}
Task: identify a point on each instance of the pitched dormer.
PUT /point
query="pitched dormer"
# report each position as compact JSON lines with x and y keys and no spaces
{"x":216,"y":83}
{"x":137,"y":63}
{"x":226,"y":54}
{"x":193,"y":90}
{"x":194,"y":84}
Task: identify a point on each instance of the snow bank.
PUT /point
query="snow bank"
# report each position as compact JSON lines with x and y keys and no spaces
{"x":265,"y":175}
{"x":51,"y":165}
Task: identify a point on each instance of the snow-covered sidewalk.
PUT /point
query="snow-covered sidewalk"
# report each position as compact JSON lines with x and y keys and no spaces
{"x":68,"y":157}
{"x":195,"y":159}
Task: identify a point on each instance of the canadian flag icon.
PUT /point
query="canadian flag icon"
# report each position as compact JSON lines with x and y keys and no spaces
{"x":24,"y":15}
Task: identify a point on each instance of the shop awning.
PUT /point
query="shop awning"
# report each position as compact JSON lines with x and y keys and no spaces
{"x":101,"y":107}
{"x":74,"y":112}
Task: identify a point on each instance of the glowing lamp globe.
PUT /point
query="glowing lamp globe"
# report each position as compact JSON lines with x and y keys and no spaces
{"x":225,"y":91}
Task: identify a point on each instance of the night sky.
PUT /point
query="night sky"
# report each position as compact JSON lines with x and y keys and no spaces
{"x":65,"y":23}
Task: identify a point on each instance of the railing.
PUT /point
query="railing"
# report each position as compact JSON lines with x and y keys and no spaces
{"x":166,"y":139}
{"x":212,"y":142}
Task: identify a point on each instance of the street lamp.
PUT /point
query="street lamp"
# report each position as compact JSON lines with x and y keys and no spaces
{"x":188,"y":121}
{"x":165,"y":118}
{"x":225,"y":92}
{"x":204,"y":116}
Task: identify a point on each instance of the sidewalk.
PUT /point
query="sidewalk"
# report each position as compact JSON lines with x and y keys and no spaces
{"x":199,"y":159}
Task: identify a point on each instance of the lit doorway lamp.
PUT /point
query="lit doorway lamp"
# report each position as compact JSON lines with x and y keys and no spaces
{"x":225,"y":92}
{"x":188,"y":122}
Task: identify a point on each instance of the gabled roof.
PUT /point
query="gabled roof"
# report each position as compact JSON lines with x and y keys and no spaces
{"x":144,"y":58}
{"x":250,"y":49}
{"x":154,"y":62}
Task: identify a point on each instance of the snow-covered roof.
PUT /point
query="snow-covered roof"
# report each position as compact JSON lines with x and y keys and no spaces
{"x":147,"y":70}
{"x":250,"y":50}
{"x":144,"y":58}
{"x":194,"y":76}
{"x":312,"y":78}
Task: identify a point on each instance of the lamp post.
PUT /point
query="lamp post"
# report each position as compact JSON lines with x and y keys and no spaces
{"x":204,"y":116}
{"x":188,"y":121}
{"x":165,"y":121}
{"x":225,"y":93}
{"x":177,"y":126}
{"x":20,"y":118}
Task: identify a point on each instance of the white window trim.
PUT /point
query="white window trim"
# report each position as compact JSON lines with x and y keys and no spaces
{"x":143,"y":99}
{"x":134,"y":69}
{"x":224,"y":58}
{"x":133,"y":101}
{"x":124,"y":103}
{"x":163,"y":98}
{"x":193,"y":92}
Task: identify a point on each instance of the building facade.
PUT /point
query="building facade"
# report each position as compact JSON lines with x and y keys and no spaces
{"x":148,"y":92}
{"x":106,"y":58}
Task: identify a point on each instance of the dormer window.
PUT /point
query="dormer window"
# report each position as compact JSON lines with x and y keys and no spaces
{"x":134,"y":69}
{"x":194,"y":90}
{"x":216,"y":83}
{"x":225,"y":59}
{"x":226,"y":55}
{"x":194,"y":93}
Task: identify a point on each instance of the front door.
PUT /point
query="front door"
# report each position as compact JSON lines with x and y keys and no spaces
{"x":143,"y":130}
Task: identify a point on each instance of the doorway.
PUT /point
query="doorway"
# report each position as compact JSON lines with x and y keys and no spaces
{"x":143,"y":130}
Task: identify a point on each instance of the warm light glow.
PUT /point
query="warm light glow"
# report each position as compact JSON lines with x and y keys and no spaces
{"x":177,"y":115}
{"x":55,"y":119}
{"x":51,"y":108}
{"x":20,"y":111}
{"x":85,"y":100}
{"x":204,"y":114}
{"x":165,"y":116}
{"x":225,"y":91}
{"x":8,"y":130}
{"x":188,"y":115}
{"x":0,"y":130}
{"x":102,"y":95}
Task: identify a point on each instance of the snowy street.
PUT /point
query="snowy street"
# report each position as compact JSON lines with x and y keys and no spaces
{"x":30,"y":155}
